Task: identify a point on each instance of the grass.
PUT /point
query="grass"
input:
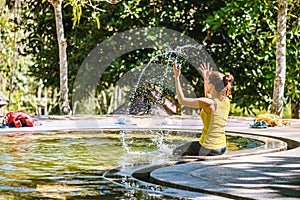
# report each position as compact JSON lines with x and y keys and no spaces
{"x":236,"y":111}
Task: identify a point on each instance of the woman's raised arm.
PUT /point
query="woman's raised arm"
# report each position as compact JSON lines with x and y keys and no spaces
{"x":205,"y":103}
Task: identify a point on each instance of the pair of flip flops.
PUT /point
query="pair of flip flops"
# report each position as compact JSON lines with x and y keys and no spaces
{"x":3,"y":126}
{"x":259,"y":124}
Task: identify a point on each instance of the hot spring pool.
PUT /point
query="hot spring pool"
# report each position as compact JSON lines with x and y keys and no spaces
{"x":71,"y":164}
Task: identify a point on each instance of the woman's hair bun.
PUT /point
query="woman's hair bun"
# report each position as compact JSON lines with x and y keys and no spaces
{"x":228,"y":78}
{"x":221,"y":82}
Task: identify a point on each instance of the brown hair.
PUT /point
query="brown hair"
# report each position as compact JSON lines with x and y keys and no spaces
{"x":221,"y":82}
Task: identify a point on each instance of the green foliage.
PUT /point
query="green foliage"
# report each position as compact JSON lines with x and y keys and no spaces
{"x":239,"y":35}
{"x":244,"y":43}
{"x":293,"y":52}
{"x":83,"y":34}
{"x":16,"y":83}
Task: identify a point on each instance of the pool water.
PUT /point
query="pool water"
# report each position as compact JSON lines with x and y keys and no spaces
{"x":70,"y":164}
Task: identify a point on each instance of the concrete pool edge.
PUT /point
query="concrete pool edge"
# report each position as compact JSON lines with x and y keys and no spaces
{"x":144,"y":171}
{"x":278,"y":174}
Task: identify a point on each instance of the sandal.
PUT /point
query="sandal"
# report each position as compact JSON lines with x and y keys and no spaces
{"x":259,"y":124}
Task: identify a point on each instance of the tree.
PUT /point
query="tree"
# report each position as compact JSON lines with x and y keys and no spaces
{"x":243,"y":42}
{"x":63,"y":63}
{"x":278,"y":93}
{"x":240,"y":36}
{"x":15,"y":81}
{"x":85,"y":34}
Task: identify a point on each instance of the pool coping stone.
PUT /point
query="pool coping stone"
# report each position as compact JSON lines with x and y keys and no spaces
{"x":260,"y":176}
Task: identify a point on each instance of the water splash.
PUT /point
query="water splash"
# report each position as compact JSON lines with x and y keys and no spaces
{"x":162,"y":61}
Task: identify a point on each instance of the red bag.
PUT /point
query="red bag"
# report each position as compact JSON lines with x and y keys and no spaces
{"x":19,"y":118}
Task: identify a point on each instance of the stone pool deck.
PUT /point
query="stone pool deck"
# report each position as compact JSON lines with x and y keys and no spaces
{"x":263,"y":176}
{"x":267,"y":176}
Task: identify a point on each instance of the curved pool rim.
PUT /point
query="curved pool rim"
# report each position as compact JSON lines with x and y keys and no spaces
{"x":142,"y":171}
{"x":69,"y":126}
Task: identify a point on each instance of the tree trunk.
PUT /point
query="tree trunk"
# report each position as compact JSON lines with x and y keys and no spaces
{"x":63,"y":100}
{"x":278,"y":92}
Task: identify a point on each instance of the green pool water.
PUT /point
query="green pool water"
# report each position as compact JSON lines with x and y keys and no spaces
{"x":70,"y":164}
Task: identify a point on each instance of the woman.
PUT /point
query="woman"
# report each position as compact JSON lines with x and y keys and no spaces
{"x":214,"y":107}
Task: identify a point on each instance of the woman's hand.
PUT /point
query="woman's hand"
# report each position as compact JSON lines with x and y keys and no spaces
{"x":177,"y":69}
{"x":205,"y":70}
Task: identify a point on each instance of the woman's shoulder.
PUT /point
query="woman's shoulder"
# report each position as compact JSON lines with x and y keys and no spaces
{"x":227,"y":99}
{"x":223,"y":100}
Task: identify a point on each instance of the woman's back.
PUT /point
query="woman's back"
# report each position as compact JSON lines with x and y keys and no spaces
{"x":213,"y":133}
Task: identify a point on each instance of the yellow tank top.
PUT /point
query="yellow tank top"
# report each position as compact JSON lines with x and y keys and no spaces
{"x":213,"y":133}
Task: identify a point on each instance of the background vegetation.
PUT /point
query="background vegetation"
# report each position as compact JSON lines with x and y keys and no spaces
{"x":239,"y":35}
